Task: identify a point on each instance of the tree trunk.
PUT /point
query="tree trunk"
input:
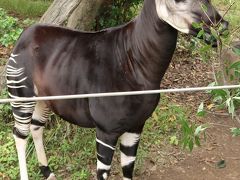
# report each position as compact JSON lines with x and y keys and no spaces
{"x":78,"y":14}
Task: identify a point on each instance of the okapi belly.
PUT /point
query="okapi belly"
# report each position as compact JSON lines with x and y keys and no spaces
{"x":73,"y":111}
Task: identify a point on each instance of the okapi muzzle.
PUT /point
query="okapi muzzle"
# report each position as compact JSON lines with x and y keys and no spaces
{"x":209,"y":18}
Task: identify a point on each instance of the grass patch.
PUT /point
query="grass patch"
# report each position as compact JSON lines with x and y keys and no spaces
{"x":26,"y":8}
{"x":71,"y":151}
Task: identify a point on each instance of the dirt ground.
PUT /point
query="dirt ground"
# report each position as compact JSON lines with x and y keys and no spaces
{"x":201,"y":164}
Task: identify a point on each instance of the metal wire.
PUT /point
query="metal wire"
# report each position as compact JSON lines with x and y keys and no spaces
{"x":113,"y":94}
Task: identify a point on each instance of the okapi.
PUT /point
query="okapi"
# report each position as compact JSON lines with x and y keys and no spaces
{"x":49,"y":60}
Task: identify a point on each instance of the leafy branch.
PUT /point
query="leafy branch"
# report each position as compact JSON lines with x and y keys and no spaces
{"x":226,"y":69}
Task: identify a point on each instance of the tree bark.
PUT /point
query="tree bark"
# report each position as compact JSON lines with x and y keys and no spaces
{"x":78,"y":14}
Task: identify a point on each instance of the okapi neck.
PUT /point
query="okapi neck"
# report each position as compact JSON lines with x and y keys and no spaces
{"x":154,"y":42}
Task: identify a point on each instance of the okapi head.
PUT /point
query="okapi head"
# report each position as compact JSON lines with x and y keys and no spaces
{"x":181,"y":14}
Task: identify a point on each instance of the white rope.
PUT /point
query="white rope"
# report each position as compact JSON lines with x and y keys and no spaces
{"x":111,"y":94}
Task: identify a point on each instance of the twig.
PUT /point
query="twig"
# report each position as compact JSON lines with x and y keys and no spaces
{"x":225,"y":13}
{"x":236,"y":117}
{"x":214,"y":73}
{"x":222,"y":125}
{"x":235,"y":30}
{"x":201,"y":4}
{"x":233,"y":158}
{"x":233,"y":33}
{"x":220,"y":60}
{"x":217,"y":113}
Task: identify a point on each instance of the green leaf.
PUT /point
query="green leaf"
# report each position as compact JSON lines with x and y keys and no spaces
{"x":235,"y":65}
{"x":196,"y":25}
{"x":174,"y":140}
{"x":212,"y":84}
{"x":200,"y":34}
{"x":200,"y":129}
{"x":219,"y":92}
{"x":235,"y":131}
{"x":197,"y":141}
{"x":236,"y":98}
{"x":201,"y":112}
{"x":221,"y":164}
{"x":236,"y":51}
{"x":214,"y":33}
{"x":230,"y":106}
{"x":205,"y":48}
{"x":190,"y":145}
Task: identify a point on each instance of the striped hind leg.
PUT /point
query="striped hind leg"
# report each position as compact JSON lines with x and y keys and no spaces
{"x":18,"y":86}
{"x":40,"y":116}
{"x":128,"y":147}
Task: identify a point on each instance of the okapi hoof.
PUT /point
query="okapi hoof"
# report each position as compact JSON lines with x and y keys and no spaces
{"x":47,"y":173}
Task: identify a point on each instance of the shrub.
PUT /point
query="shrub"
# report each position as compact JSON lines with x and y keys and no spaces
{"x":117,"y":12}
{"x":9,"y":29}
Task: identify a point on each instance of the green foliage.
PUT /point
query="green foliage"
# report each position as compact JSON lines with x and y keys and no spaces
{"x":221,"y":98}
{"x":191,"y":134}
{"x":117,"y":12}
{"x":174,"y":140}
{"x":221,"y":164}
{"x":171,"y":120}
{"x":234,"y":70}
{"x":226,"y":98}
{"x":9,"y":29}
{"x":235,"y":131}
{"x":163,"y":127}
{"x":8,"y":158}
{"x":5,"y":109}
{"x":201,"y":111}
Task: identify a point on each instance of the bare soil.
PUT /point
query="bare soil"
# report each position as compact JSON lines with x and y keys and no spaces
{"x":202,"y":163}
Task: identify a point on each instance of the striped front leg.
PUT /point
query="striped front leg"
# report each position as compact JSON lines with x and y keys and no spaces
{"x":129,"y":145}
{"x":105,"y":150}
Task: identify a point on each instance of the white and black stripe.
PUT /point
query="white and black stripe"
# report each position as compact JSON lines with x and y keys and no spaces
{"x":104,"y":158}
{"x":40,"y":114}
{"x":22,"y":111}
{"x":128,"y":147}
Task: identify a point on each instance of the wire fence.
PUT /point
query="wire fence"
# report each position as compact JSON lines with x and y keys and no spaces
{"x":115,"y":94}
